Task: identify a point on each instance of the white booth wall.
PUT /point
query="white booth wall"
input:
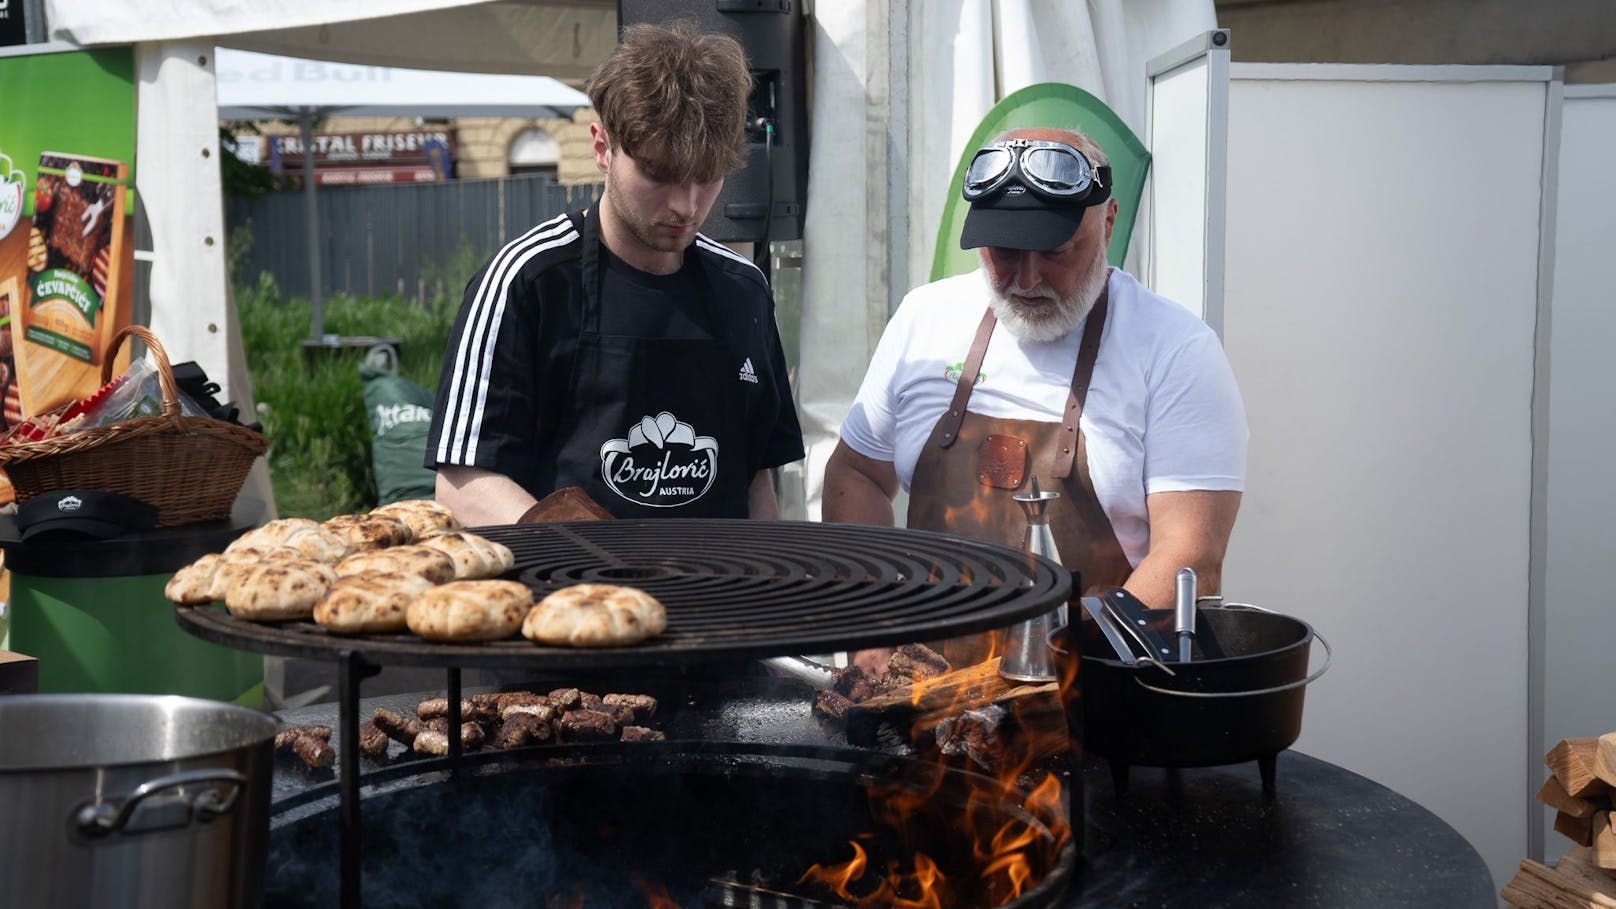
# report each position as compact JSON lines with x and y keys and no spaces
{"x":1580,"y":618}
{"x":1380,"y":310}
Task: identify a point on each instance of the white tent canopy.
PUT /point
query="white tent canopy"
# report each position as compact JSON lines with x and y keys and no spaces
{"x":563,"y":39}
{"x":258,"y":86}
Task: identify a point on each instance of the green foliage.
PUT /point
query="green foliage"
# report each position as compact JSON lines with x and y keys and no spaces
{"x":237,"y":248}
{"x":237,"y":177}
{"x":312,"y":403}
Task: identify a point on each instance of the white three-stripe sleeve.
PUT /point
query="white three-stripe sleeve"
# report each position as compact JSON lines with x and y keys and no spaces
{"x":474,"y":352}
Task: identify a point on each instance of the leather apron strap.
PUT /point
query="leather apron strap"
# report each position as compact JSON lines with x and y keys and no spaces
{"x":1088,"y":352}
{"x":950,"y":423}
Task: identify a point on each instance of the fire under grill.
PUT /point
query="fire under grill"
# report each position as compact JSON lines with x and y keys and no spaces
{"x":730,"y":830}
{"x":697,"y":826}
{"x":733,"y":590}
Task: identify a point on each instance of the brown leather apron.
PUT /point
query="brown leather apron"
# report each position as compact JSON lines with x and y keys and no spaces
{"x":972,"y":466}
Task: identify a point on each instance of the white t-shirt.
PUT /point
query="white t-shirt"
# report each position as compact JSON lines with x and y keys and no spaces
{"x":1163,"y":413}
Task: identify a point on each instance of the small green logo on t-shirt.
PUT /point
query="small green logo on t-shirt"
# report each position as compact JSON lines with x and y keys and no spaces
{"x":953,"y":371}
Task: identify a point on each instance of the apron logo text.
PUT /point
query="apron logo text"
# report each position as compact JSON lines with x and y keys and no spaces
{"x":661,"y":462}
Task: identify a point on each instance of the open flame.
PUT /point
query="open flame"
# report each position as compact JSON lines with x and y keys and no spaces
{"x":656,"y":896}
{"x":1004,"y":855}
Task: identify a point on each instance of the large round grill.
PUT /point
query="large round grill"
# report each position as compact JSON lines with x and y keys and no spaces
{"x":733,"y":589}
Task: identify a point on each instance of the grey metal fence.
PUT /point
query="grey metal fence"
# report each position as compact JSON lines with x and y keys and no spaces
{"x":394,"y":238}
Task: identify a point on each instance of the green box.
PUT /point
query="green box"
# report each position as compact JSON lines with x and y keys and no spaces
{"x":118,"y":634}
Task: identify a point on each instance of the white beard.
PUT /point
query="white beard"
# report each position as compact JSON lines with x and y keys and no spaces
{"x":1050,"y":321}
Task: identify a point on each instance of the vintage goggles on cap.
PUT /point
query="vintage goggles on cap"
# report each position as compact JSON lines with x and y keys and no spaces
{"x":1054,"y":170}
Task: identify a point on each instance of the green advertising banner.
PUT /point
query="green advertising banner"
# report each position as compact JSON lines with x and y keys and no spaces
{"x":67,"y":155}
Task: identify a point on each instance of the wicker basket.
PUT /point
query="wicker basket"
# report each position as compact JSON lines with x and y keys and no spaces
{"x":189,"y":467}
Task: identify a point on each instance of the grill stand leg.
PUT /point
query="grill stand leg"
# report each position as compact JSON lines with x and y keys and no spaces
{"x":351,"y":671}
{"x":453,"y":686}
{"x":1265,"y":768}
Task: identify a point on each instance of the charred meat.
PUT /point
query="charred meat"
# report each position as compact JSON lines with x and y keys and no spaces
{"x":586,"y":726}
{"x":397,"y":726}
{"x":284,"y":738}
{"x":830,"y":703}
{"x":372,"y":742}
{"x":524,"y":729}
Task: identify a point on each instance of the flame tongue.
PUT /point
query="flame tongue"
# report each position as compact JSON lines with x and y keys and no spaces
{"x":991,"y":851}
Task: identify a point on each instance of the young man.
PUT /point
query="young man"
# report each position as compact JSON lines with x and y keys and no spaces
{"x":616,"y":348}
{"x":1118,"y":399}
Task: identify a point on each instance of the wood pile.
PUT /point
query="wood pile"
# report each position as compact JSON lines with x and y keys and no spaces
{"x":1580,"y":789}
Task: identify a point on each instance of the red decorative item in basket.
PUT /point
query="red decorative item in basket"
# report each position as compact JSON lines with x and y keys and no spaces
{"x":189,"y":467}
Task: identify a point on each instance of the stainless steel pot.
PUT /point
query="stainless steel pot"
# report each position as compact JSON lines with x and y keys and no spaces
{"x":133,"y":801}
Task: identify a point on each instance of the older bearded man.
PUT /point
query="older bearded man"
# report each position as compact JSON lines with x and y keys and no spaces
{"x":1119,"y":399}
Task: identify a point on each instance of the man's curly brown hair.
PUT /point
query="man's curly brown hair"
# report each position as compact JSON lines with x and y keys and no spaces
{"x":674,"y":100}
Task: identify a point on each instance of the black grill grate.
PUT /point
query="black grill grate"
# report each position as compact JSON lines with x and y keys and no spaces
{"x":733,"y":590}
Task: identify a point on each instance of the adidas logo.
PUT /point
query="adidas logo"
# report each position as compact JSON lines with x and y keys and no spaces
{"x":747,"y":373}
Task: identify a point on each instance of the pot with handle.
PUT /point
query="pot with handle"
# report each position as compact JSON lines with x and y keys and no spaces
{"x":133,"y":801}
{"x":1243,"y":705}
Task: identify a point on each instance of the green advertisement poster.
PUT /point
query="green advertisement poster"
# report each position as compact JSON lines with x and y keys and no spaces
{"x":67,"y":155}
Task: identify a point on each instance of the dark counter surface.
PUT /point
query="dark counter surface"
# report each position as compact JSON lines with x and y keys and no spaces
{"x":1202,"y":837}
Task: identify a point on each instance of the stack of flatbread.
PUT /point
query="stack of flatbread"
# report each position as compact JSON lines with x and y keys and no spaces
{"x":354,"y":574}
{"x":408,"y":565}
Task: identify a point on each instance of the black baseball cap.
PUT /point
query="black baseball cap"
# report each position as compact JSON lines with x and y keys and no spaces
{"x":1019,"y":218}
{"x":95,"y":513}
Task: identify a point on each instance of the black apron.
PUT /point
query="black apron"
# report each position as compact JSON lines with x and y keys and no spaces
{"x":653,"y":428}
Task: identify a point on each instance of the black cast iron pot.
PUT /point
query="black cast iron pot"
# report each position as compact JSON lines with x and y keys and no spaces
{"x":1246,"y":705}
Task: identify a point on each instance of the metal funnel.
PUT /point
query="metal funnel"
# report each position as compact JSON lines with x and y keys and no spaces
{"x":1027,"y":656}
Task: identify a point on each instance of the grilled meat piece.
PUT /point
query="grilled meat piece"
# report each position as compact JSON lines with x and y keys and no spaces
{"x":432,"y":742}
{"x":432,"y":708}
{"x":864,"y":688}
{"x":524,"y":729}
{"x":843,"y":680}
{"x":397,"y":726}
{"x":644,"y":705}
{"x":586,"y":726}
{"x":830,"y":703}
{"x":313,"y":751}
{"x":975,"y":734}
{"x":542,"y":712}
{"x":565,"y":698}
{"x":284,"y":738}
{"x":471,"y":734}
{"x":588,"y":700}
{"x":514,"y":698}
{"x":372,"y":742}
{"x":917,"y":662}
{"x":642,"y":734}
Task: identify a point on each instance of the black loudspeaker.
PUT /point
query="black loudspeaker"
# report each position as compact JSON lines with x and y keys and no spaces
{"x":776,"y":173}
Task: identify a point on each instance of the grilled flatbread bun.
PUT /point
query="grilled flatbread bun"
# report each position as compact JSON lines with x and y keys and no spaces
{"x":369,"y":603}
{"x":595,"y":615}
{"x":424,"y":517}
{"x":275,"y":533}
{"x":364,"y":532}
{"x":320,"y":544}
{"x":474,"y":556}
{"x":201,"y":581}
{"x":278,"y":591}
{"x":470,"y":611}
{"x":428,"y":563}
{"x":193,"y":584}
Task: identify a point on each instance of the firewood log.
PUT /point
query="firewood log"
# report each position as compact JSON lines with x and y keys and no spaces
{"x":1554,"y":795}
{"x":1572,"y":763}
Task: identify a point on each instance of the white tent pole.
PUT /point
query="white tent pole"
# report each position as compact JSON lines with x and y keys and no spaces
{"x":311,"y":222}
